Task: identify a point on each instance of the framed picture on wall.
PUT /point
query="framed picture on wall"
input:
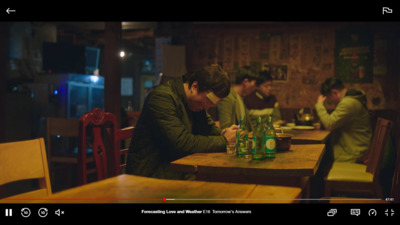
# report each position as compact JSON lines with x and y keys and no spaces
{"x":279,"y":73}
{"x":354,"y":55}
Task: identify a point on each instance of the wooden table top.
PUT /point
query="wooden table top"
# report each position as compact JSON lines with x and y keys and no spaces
{"x":299,"y":160}
{"x":136,"y":189}
{"x":315,"y":136}
{"x":309,"y":136}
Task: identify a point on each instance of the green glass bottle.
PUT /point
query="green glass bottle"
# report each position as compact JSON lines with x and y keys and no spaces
{"x":258,"y":141}
{"x":270,"y":139}
{"x":242,"y":140}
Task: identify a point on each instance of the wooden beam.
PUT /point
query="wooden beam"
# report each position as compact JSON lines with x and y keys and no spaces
{"x":137,"y":34}
{"x":112,"y":68}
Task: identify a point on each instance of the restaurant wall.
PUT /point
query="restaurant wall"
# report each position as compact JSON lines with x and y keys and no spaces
{"x":304,"y":51}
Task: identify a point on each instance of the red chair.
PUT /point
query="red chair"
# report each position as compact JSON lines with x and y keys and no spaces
{"x":97,"y":130}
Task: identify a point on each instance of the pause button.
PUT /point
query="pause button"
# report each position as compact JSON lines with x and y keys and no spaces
{"x":8,"y":212}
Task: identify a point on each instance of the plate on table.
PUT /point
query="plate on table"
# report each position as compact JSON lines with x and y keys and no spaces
{"x":304,"y":127}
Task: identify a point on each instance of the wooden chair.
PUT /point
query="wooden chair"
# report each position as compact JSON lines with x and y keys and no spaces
{"x":61,"y":138}
{"x":62,"y":141}
{"x":25,"y":160}
{"x":124,"y":135}
{"x":394,"y":196}
{"x":395,"y":192}
{"x":352,"y":178}
{"x":57,"y":128}
{"x":105,"y":142}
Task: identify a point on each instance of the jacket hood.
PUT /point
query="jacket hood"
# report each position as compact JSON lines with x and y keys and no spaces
{"x":359,"y":95}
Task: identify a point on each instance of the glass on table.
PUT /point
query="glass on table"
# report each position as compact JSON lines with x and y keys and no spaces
{"x":231,"y":148}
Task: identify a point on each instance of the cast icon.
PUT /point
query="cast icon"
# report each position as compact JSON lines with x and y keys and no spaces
{"x":332,"y":212}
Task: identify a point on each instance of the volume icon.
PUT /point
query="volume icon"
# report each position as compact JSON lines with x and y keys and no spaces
{"x":8,"y":212}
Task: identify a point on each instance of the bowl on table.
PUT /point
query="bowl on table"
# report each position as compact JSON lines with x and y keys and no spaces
{"x":286,"y":129}
{"x":283,"y":141}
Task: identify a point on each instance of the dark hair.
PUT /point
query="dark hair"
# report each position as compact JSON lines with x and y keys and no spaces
{"x":263,"y":77}
{"x":212,"y":78}
{"x":246,"y":72}
{"x":331,"y":83}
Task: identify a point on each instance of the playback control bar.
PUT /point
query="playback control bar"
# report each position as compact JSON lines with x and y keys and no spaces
{"x":70,"y":213}
{"x":28,"y":211}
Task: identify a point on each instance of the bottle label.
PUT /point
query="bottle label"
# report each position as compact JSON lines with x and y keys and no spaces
{"x":253,"y":144}
{"x":270,"y":144}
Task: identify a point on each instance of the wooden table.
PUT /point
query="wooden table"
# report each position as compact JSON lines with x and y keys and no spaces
{"x":290,"y":168}
{"x":136,"y":189}
{"x":315,"y":136}
{"x":310,"y":136}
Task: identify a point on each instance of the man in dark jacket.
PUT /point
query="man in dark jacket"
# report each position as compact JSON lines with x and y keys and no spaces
{"x":174,"y":123}
{"x":262,"y":102}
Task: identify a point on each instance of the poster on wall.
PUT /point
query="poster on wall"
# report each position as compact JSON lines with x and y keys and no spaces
{"x":279,"y":73}
{"x":354,"y":55}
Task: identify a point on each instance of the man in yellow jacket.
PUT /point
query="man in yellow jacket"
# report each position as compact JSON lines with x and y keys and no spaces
{"x":349,"y":122}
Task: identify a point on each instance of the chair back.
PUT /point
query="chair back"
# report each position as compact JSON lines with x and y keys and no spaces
{"x":395,"y":193}
{"x":25,"y":160}
{"x":121,"y":151}
{"x":105,"y":142}
{"x":64,"y":127}
{"x":376,"y":151}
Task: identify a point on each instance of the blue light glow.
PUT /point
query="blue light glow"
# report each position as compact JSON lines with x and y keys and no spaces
{"x":94,"y":79}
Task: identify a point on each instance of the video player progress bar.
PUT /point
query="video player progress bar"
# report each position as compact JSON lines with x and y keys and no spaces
{"x":194,"y":199}
{"x":266,"y":199}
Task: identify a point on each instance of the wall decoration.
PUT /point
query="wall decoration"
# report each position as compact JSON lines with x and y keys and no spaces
{"x":310,"y":78}
{"x":354,"y":55}
{"x":380,"y":55}
{"x":244,"y":51}
{"x":275,"y":47}
{"x":264,"y":46}
{"x":279,"y":73}
{"x":294,"y":49}
{"x":228,"y":53}
{"x":309,"y":52}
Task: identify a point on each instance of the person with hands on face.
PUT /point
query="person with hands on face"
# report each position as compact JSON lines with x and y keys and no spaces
{"x":174,"y":123}
{"x":349,"y":122}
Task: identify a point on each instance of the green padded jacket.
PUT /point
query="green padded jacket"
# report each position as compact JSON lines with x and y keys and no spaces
{"x":350,"y":125}
{"x":167,"y":130}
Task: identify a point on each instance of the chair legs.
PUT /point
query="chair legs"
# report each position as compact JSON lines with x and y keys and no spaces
{"x":327,"y":189}
{"x":353,"y":189}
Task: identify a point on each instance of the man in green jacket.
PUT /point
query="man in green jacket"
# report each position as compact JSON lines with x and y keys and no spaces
{"x":174,"y":123}
{"x":349,"y":122}
{"x":232,"y":108}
